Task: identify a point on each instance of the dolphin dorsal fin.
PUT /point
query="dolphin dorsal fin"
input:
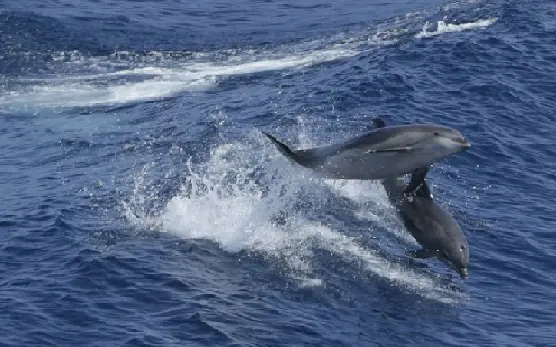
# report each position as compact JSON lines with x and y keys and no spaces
{"x":417,"y":185}
{"x":379,"y":123}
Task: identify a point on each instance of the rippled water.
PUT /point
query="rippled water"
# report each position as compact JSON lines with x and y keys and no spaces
{"x":142,"y":206}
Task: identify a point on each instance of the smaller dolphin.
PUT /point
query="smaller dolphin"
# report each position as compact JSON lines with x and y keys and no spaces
{"x":432,"y":227}
{"x":384,"y":152}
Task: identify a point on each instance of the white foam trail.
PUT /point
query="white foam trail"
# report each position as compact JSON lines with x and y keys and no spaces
{"x":157,"y":83}
{"x":82,"y":94}
{"x":224,"y":203}
{"x":126,"y":77}
{"x":443,"y":27}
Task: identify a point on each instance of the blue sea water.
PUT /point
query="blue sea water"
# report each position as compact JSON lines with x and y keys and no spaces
{"x":142,"y":207}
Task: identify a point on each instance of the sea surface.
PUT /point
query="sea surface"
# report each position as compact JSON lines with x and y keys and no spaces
{"x":141,"y":206}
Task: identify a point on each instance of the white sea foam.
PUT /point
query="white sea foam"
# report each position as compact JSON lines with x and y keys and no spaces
{"x":442,"y":27}
{"x":127,"y":77}
{"x":157,"y":82}
{"x":235,"y":200}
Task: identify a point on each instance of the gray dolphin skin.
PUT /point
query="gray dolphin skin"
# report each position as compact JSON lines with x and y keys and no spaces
{"x":432,"y":227}
{"x":382,"y":153}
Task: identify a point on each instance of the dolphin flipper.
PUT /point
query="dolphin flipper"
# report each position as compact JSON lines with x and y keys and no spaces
{"x":395,"y":150}
{"x":380,"y":123}
{"x":417,"y":185}
{"x":421,"y":253}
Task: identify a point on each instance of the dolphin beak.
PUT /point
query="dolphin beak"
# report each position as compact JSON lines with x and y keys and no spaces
{"x":463,"y":142}
{"x":463,"y":272}
{"x":466,"y":144}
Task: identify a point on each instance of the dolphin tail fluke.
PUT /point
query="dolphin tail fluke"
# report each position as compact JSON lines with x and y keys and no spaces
{"x":285,"y":150}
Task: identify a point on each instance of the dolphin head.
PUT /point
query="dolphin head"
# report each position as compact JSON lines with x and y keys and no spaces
{"x":434,"y":228}
{"x":435,"y":141}
{"x":438,"y":141}
{"x":456,"y":255}
{"x":426,"y":143}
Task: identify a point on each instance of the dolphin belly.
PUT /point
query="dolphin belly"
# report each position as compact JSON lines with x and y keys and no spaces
{"x":369,"y":166}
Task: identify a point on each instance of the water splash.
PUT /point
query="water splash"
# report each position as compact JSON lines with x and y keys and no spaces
{"x":442,"y":27}
{"x":239,"y":198}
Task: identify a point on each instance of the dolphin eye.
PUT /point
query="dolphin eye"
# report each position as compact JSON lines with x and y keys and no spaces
{"x":436,"y":133}
{"x":462,"y":247}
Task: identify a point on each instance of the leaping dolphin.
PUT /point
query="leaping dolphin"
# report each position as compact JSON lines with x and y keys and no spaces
{"x":382,"y":153}
{"x":432,"y":227}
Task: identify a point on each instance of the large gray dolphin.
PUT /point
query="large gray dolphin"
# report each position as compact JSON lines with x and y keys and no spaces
{"x":384,"y":152}
{"x":432,"y":227}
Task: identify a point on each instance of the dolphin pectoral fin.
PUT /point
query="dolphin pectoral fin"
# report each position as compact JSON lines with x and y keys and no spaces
{"x":421,"y":253}
{"x":394,"y":150}
{"x":380,"y":123}
{"x":417,"y":185}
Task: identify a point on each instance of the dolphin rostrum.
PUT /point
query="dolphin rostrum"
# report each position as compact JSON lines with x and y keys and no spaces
{"x":385,"y":152}
{"x":432,"y":227}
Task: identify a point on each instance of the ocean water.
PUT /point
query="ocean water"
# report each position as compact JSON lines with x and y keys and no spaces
{"x":142,"y":207}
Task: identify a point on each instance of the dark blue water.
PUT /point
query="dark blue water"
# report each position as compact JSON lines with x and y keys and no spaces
{"x":142,"y":207}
